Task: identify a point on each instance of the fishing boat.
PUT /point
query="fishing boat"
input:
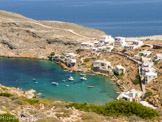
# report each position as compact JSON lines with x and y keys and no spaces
{"x":71,"y":78}
{"x":63,"y":80}
{"x":55,"y":83}
{"x":67,"y":85}
{"x":90,"y":86}
{"x":83,"y":78}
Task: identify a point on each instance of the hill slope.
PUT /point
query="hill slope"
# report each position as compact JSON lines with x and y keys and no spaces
{"x":24,"y":37}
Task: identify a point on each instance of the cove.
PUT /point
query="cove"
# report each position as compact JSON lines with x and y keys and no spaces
{"x":19,"y":72}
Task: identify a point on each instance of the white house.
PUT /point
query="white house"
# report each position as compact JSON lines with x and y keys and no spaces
{"x":138,"y":43}
{"x":157,"y":57}
{"x":119,"y":41}
{"x":147,"y":69}
{"x":102,"y":64}
{"x":130,"y":95}
{"x":149,"y":76}
{"x":70,"y":55}
{"x":129,"y":47}
{"x":118,"y":69}
{"x":86,"y":45}
{"x":107,"y":39}
{"x":147,"y":62}
{"x":109,"y":48}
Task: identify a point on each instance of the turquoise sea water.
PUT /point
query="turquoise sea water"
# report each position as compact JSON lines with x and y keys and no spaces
{"x":115,"y":17}
{"x":14,"y":71}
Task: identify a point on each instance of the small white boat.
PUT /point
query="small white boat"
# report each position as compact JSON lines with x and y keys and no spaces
{"x":83,"y":78}
{"x":55,"y":83}
{"x":63,"y":80}
{"x":70,"y":71}
{"x":82,"y":74}
{"x":67,"y":85}
{"x":71,"y":78}
{"x":36,"y":82}
{"x":39,"y":94}
{"x":65,"y":70}
{"x":34,"y":79}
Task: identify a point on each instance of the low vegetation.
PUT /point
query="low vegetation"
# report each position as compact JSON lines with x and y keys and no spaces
{"x":32,"y":101}
{"x":137,"y":80}
{"x":118,"y":108}
{"x":147,"y":94}
{"x":8,"y":118}
{"x":52,"y":54}
{"x":119,"y":76}
{"x":87,"y":60}
{"x":6,"y":94}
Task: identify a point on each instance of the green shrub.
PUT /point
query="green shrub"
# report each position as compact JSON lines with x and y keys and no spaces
{"x":119,"y":76}
{"x":52,"y":54}
{"x":62,"y":57}
{"x":86,"y":60}
{"x":141,"y":54}
{"x":32,"y":101}
{"x":147,"y":94}
{"x":78,"y":51}
{"x":6,"y":94}
{"x":124,"y":50}
{"x":117,"y":108}
{"x":137,"y":80}
{"x":8,"y":118}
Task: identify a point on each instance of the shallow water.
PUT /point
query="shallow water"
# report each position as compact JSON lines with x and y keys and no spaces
{"x":20,"y":73}
{"x":115,"y":17}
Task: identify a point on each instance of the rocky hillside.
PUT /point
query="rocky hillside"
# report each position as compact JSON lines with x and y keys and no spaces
{"x":24,"y":37}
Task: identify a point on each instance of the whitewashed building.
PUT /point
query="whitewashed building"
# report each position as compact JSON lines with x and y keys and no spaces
{"x":102,"y":64}
{"x":157,"y":57}
{"x":107,"y":39}
{"x":109,"y":48}
{"x":147,"y":62}
{"x":130,"y":95}
{"x":86,"y":45}
{"x":70,"y":55}
{"x":137,"y":43}
{"x":118,"y":69}
{"x":119,"y":41}
{"x":129,"y":47}
{"x":147,"y":69}
{"x":149,"y":76}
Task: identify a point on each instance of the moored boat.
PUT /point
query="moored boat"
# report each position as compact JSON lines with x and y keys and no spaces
{"x":55,"y":83}
{"x":90,"y":86}
{"x":71,"y":78}
{"x":83,"y":78}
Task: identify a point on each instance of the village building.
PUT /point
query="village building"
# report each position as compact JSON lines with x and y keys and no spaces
{"x":147,"y":62}
{"x":86,"y":46}
{"x":118,"y":69}
{"x":144,"y":53}
{"x":157,"y":57}
{"x":70,"y":55}
{"x":149,"y":76}
{"x":109,"y":48}
{"x":147,"y":69}
{"x":129,"y":47}
{"x":131,"y":95}
{"x":101,"y":64}
{"x":137,"y":43}
{"x":119,"y":41}
{"x":107,"y":39}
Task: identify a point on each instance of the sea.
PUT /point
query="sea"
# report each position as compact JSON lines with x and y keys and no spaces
{"x":35,"y":74}
{"x":128,"y":18}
